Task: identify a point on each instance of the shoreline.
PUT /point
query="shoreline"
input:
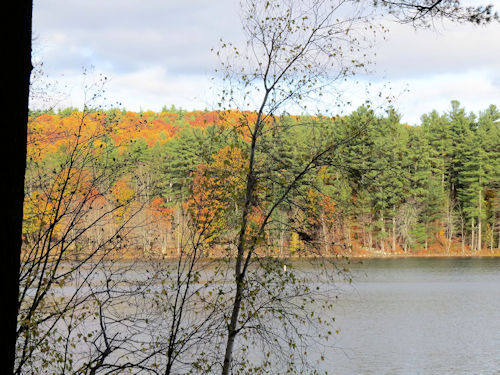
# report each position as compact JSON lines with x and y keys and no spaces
{"x":488,"y":254}
{"x":134,"y":256}
{"x":495,"y":254}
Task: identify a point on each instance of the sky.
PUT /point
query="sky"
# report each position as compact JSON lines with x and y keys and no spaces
{"x":158,"y":52}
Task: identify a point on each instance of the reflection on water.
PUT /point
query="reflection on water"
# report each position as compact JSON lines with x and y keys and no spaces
{"x":419,"y":316}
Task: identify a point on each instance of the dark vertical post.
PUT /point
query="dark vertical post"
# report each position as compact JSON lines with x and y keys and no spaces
{"x":15,"y":87}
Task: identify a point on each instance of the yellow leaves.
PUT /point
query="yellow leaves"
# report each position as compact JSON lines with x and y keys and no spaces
{"x":38,"y":212}
{"x":64,"y":189}
{"x":122,"y":191}
{"x":49,"y":133}
{"x":100,"y":145}
{"x":218,"y":188}
{"x":123,"y":194}
{"x":295,"y":243}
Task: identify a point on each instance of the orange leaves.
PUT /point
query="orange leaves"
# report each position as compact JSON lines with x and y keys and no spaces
{"x":163,"y":129}
{"x":162,"y":215}
{"x":209,"y":201}
{"x":328,"y":208}
{"x":49,"y":132}
{"x":218,"y":190}
{"x":319,"y":205}
{"x":133,"y":126}
{"x":200,"y":119}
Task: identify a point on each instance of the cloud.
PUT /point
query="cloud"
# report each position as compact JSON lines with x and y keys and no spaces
{"x":153,"y":88}
{"x":449,"y":48}
{"x":130,"y":35}
{"x":143,"y":89}
{"x":157,"y":52}
{"x":474,"y":90}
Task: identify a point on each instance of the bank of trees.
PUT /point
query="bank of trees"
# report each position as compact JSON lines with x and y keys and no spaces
{"x":395,"y":188}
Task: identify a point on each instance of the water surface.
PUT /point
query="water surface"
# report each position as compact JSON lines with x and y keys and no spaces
{"x":419,"y":316}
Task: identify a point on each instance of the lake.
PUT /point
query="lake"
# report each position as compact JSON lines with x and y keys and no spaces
{"x":419,"y":316}
{"x":404,"y":316}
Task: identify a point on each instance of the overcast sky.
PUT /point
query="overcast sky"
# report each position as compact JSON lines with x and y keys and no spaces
{"x":157,"y":52}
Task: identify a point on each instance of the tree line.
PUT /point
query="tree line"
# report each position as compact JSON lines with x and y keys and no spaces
{"x":393,"y":189}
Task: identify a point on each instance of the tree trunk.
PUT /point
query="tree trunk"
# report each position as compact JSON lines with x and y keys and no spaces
{"x":16,"y":79}
{"x":347,"y":235}
{"x":479,"y":229}
{"x":382,"y":241}
{"x":462,"y":232}
{"x":394,"y":234}
{"x":326,"y":238}
{"x":241,"y":260}
{"x":179,"y":229}
{"x":449,"y":233}
{"x":472,"y":237}
{"x":363,"y":232}
{"x":491,"y":239}
{"x":370,"y":240}
{"x":232,"y":331}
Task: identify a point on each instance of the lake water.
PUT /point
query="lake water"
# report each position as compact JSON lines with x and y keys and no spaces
{"x":409,"y":316}
{"x":419,"y":316}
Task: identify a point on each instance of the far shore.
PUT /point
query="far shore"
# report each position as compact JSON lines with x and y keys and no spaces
{"x":423,"y":254}
{"x":485,"y":253}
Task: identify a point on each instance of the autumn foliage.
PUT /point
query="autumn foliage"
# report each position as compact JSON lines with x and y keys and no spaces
{"x":187,"y":171}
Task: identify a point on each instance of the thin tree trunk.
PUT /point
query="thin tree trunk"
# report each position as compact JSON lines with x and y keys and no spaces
{"x":472,"y":243}
{"x":479,"y":229}
{"x":491,"y":239}
{"x":394,"y":234}
{"x":347,"y":235}
{"x":449,"y":234}
{"x":325,"y":234}
{"x":462,"y":228}
{"x":281,"y":241}
{"x":240,"y":267}
{"x":370,"y":240}
{"x":179,"y":230}
{"x":363,"y":232}
{"x":426,"y":238}
{"x":382,"y":241}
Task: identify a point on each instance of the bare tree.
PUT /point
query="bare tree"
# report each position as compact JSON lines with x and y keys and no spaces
{"x":71,"y":239}
{"x":296,"y":51}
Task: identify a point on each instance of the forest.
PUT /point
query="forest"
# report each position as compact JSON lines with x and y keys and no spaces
{"x":169,"y":242}
{"x":389,"y":188}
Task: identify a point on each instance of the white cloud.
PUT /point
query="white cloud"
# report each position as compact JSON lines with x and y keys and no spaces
{"x":157,"y":52}
{"x":135,"y":35}
{"x":153,"y":88}
{"x":449,"y":48}
{"x":474,"y":90}
{"x":150,"y":88}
